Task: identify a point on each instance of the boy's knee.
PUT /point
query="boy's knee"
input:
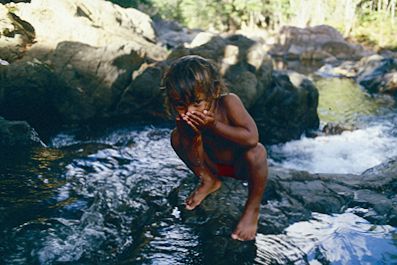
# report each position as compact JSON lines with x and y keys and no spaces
{"x":256,"y":154}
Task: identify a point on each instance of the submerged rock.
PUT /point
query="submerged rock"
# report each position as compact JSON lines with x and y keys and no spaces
{"x":17,"y":134}
{"x":332,"y":128}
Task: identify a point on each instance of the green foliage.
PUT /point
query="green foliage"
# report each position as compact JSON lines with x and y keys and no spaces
{"x":373,"y":20}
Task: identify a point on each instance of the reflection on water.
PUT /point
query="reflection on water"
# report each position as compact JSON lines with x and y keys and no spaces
{"x":342,"y":100}
{"x":337,"y":239}
{"x":111,"y":200}
{"x":88,"y":200}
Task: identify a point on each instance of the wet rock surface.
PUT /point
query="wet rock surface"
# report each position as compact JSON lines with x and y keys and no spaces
{"x":17,"y":134}
{"x":287,"y":108}
{"x":291,"y":196}
{"x":119,"y":198}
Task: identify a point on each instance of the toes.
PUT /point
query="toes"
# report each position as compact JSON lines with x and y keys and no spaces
{"x":235,"y":237}
{"x":189,"y":207}
{"x":242,"y":237}
{"x":190,"y":204}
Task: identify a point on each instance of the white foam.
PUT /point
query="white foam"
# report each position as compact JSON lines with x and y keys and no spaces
{"x":4,"y":62}
{"x":350,"y":152}
{"x":340,"y":238}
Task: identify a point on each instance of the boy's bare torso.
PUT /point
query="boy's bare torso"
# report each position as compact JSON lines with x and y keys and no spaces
{"x":219,"y":149}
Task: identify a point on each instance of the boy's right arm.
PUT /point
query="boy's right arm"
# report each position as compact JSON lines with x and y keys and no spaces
{"x":191,"y":145}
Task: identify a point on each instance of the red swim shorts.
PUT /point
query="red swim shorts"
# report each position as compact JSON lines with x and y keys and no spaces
{"x":226,"y":170}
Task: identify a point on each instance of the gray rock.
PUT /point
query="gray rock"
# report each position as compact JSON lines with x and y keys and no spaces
{"x":378,"y":74}
{"x":95,"y":77}
{"x":30,"y":90}
{"x":17,"y":134}
{"x":89,"y":54}
{"x":292,"y":195}
{"x":332,"y":128}
{"x":287,"y":109}
{"x":171,"y":34}
{"x":93,"y":22}
{"x":143,"y":98}
{"x":314,"y":43}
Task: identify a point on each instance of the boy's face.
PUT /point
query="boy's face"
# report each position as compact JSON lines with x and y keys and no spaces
{"x":200,"y":104}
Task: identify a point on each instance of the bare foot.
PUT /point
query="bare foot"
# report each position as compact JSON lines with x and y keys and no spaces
{"x":246,"y":228}
{"x":202,"y":191}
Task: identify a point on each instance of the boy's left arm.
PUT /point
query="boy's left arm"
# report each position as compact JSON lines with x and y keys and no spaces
{"x":242,"y":129}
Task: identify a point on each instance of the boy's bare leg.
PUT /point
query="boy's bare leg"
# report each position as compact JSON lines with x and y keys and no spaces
{"x":192,"y":153}
{"x":254,"y":163}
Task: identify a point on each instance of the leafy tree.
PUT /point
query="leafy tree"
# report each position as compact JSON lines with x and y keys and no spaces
{"x":372,"y":19}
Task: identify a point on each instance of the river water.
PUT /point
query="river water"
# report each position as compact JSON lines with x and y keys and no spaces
{"x":108,"y":195}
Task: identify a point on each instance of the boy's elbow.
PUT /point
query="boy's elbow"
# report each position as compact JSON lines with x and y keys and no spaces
{"x":252,"y":141}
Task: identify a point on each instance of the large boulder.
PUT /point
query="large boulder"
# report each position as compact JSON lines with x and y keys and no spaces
{"x":82,"y":83}
{"x":314,"y":43}
{"x":93,"y":22}
{"x":287,"y":109}
{"x":83,"y":58}
{"x":95,"y":77}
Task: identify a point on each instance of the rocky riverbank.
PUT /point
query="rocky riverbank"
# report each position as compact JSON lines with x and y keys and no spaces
{"x":109,"y":64}
{"x":103,"y":62}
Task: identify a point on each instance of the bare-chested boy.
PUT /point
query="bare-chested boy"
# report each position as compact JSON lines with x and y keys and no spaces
{"x":215,"y":136}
